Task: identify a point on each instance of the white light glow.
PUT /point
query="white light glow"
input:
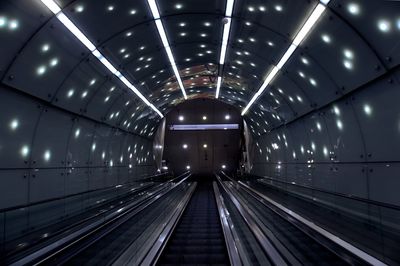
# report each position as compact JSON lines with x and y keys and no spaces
{"x":339,"y":124}
{"x":52,"y":6}
{"x":204,"y":117}
{"x":384,"y":25}
{"x":185,"y":146}
{"x":47,"y":155}
{"x":223,"y":166}
{"x":77,"y":133}
{"x":227,"y":117}
{"x":326,"y":38}
{"x":348,"y":54}
{"x":181,"y":118}
{"x":225,"y":38}
{"x":14,"y":124}
{"x":367,"y":109}
{"x":3,"y":22}
{"x":219,"y":79}
{"x":309,"y":24}
{"x":353,"y":8}
{"x":205,"y":146}
{"x":348,"y":64}
{"x":41,"y":70}
{"x":45,"y":48}
{"x":187,"y":167}
{"x":24,"y":151}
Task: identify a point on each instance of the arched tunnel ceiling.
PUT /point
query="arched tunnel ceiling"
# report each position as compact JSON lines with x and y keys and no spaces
{"x":353,"y":43}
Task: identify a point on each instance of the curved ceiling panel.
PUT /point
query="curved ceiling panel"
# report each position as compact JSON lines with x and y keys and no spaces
{"x":338,"y":55}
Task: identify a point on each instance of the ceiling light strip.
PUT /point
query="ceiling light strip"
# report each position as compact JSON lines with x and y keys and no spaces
{"x":164,"y":39}
{"x":224,"y":43}
{"x":305,"y":29}
{"x":50,"y":4}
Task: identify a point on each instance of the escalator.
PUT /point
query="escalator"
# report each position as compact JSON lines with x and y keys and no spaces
{"x":198,"y":237}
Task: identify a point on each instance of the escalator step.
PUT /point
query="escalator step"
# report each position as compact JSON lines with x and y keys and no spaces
{"x":198,"y":238}
{"x":198,"y":258}
{"x":196,"y":249}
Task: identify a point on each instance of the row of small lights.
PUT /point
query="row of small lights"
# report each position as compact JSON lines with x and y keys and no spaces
{"x":204,"y":117}
{"x":223,"y":166}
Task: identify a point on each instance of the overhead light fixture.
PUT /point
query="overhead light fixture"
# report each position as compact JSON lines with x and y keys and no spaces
{"x":224,"y":44}
{"x":305,"y":29}
{"x":218,"y":87}
{"x":50,"y":4}
{"x":204,"y":127}
{"x":164,"y":39}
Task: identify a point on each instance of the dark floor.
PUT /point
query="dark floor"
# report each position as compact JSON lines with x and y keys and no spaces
{"x":198,"y":238}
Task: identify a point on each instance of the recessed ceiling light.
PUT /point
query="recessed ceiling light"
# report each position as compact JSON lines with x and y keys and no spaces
{"x":384,"y":25}
{"x":178,"y":6}
{"x":326,"y":38}
{"x":79,"y":8}
{"x":353,"y":8}
{"x":45,"y":47}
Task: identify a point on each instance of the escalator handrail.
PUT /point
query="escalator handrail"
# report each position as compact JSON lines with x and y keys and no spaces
{"x":158,"y":247}
{"x":24,"y":206}
{"x":72,"y":227}
{"x":269,"y":249}
{"x":335,"y":239}
{"x":52,"y":249}
{"x":228,"y":230}
{"x":341,"y":195}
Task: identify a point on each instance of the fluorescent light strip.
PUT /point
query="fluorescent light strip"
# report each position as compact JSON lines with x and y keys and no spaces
{"x":218,"y":87}
{"x":225,"y":38}
{"x":164,"y":39}
{"x":204,"y":127}
{"x":305,"y":29}
{"x":50,"y":4}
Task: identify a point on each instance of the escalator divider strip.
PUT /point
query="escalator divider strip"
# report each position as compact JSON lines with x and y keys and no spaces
{"x":74,"y":238}
{"x":230,"y":240}
{"x":337,"y":240}
{"x":250,"y":218}
{"x":152,"y":254}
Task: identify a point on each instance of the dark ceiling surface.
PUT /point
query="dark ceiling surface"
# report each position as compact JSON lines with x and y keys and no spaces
{"x":353,"y":43}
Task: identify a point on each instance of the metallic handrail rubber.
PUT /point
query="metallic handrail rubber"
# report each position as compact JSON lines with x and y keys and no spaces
{"x":156,"y":246}
{"x":265,"y":242}
{"x":232,"y":243}
{"x":328,"y":235}
{"x":121,"y":215}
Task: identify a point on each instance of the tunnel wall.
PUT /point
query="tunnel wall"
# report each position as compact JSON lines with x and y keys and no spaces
{"x":47,"y":152}
{"x":350,"y":146}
